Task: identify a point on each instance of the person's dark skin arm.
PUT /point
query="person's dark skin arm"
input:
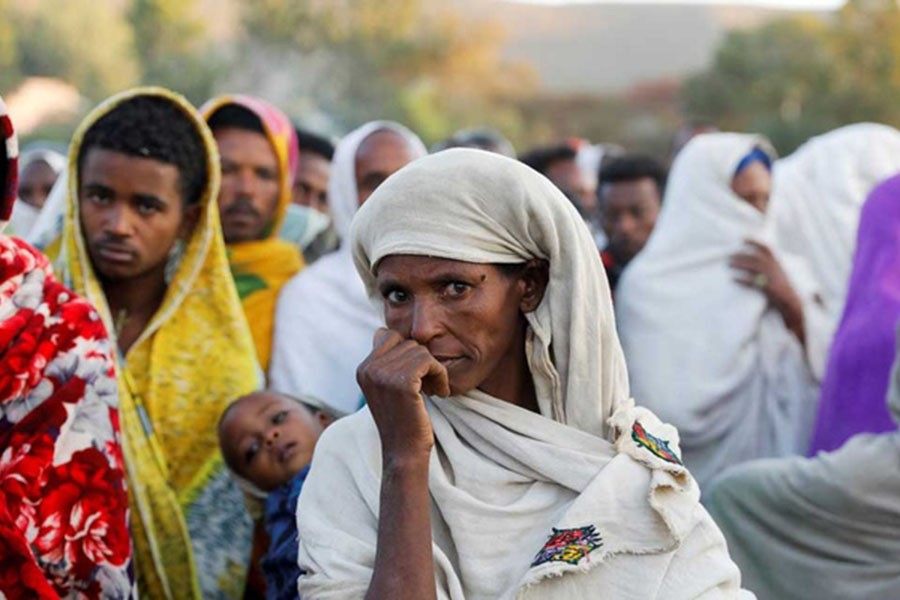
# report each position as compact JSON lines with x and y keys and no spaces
{"x":393,"y":378}
{"x":760,"y":270}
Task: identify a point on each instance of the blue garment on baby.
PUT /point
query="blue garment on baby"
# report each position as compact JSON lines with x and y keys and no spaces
{"x":279,"y":565}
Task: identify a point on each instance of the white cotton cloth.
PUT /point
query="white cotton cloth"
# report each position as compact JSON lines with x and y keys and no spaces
{"x":47,"y":228}
{"x":22,"y":219}
{"x":504,"y":480}
{"x":818,"y":192}
{"x":324,"y":321}
{"x":706,"y":353}
{"x":821,"y":528}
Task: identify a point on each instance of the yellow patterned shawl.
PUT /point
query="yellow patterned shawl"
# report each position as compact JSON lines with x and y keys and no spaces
{"x":261,"y":267}
{"x":191,"y":532}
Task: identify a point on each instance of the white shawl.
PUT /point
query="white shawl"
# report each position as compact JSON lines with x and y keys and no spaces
{"x":704,"y":352}
{"x":324,"y":322}
{"x":523,"y":505}
{"x":818,"y":192}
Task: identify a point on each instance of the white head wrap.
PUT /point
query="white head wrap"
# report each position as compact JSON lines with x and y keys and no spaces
{"x":343,"y":197}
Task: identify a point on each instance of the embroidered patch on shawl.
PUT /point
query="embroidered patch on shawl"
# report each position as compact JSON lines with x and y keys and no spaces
{"x":569,"y":545}
{"x":657,"y":446}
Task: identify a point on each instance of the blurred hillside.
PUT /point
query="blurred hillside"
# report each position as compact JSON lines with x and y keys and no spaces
{"x":629,"y":74}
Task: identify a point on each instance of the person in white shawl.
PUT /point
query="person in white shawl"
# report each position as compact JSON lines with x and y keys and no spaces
{"x":821,"y":528}
{"x":499,"y":455}
{"x":323,"y":321}
{"x":39,"y":171}
{"x":713,"y":351}
{"x":818,"y":193}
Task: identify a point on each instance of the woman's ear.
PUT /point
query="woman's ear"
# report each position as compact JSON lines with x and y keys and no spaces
{"x":534,"y":278}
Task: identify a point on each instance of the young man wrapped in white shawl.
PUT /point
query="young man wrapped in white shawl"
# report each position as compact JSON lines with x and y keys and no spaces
{"x":818,"y":193}
{"x":820,"y":528}
{"x":324,"y":321}
{"x":709,"y":350}
{"x":449,"y":486}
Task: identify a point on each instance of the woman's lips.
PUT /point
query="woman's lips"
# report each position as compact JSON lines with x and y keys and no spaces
{"x":448,"y":361}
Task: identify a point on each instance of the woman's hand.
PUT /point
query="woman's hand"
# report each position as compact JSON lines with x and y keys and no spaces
{"x":760,"y":269}
{"x":393,"y":378}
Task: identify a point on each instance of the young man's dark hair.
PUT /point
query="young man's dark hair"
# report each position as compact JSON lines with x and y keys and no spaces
{"x":541,"y":158}
{"x":232,"y":115}
{"x":314,"y":143}
{"x":153,"y":127}
{"x":631,"y":167}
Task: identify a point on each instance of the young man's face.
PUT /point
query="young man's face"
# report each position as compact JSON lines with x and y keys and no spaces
{"x":628,"y":212}
{"x":131,"y":213}
{"x":251,"y":183}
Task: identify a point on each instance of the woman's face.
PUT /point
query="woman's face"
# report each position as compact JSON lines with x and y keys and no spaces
{"x":754,"y":184}
{"x":468,"y":315}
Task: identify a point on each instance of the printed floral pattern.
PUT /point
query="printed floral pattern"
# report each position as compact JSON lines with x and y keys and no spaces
{"x":63,"y":505}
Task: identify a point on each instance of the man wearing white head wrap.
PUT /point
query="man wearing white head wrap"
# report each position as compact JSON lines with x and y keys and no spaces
{"x":565,"y":490}
{"x":324,"y":322}
{"x":818,"y":193}
{"x":708,"y":354}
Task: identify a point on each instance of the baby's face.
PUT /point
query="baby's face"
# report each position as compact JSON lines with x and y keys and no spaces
{"x":267,"y":438}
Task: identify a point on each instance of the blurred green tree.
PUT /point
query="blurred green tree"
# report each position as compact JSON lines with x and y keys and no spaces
{"x":797,"y":77}
{"x":171,"y":39}
{"x":418,"y":62}
{"x":85,"y":42}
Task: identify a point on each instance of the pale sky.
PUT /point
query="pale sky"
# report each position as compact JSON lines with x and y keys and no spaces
{"x":786,"y":4}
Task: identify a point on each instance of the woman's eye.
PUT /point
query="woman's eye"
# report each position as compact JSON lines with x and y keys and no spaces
{"x":455,"y":289}
{"x":279,"y":417}
{"x":396,"y":296}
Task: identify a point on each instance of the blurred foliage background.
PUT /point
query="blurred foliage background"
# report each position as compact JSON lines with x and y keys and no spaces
{"x":332,"y":64}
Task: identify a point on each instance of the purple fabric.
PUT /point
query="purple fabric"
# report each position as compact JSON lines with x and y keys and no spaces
{"x":864,"y":346}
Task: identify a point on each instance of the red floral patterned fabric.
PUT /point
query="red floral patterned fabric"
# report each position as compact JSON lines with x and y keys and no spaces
{"x":63,"y":504}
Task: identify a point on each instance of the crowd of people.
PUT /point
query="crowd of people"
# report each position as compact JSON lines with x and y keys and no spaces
{"x":244,"y":360}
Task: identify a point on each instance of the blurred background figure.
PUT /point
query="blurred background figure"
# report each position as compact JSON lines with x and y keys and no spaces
{"x":713,"y":339}
{"x":863,"y":348}
{"x":629,"y":194}
{"x":818,"y":193}
{"x":308,"y":221}
{"x":483,"y":138}
{"x":39,"y":171}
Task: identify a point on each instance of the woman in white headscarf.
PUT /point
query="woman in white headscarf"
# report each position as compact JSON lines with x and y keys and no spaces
{"x":324,"y":322}
{"x":818,"y":192}
{"x":719,"y":359}
{"x":488,"y":465}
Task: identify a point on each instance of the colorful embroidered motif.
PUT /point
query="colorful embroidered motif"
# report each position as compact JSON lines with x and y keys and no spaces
{"x":659,"y":447}
{"x":569,"y":546}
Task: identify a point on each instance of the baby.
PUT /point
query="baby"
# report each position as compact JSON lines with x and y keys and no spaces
{"x":267,"y":440}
